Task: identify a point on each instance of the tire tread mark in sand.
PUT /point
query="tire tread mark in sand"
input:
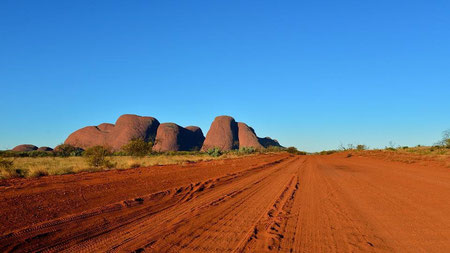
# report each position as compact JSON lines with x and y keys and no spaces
{"x":269,"y":231}
{"x":173,"y":226}
{"x":242,"y":245}
{"x":88,"y":243}
{"x":19,"y":236}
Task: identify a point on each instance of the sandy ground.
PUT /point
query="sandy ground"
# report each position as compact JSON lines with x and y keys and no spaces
{"x":262,"y":203}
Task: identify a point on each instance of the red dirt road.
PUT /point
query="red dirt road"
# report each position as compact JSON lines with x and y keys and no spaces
{"x":264,"y":203}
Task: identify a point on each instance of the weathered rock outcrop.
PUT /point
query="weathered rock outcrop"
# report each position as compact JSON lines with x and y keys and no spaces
{"x":247,"y":137}
{"x":269,"y":142}
{"x":226,"y":134}
{"x":222,"y":134}
{"x":45,"y":149}
{"x":130,"y":127}
{"x":127,"y":127}
{"x":25,"y":148}
{"x":195,"y":138}
{"x":172,"y":137}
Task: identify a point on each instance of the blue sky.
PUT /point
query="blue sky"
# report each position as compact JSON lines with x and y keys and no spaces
{"x":312,"y":74}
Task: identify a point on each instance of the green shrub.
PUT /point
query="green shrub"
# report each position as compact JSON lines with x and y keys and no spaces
{"x":36,"y":153}
{"x":247,"y":150}
{"x":327,"y":152}
{"x":361,"y":147}
{"x":10,"y":153}
{"x":292,"y":150}
{"x":97,"y":157}
{"x":214,"y":152}
{"x":137,"y":147}
{"x":274,"y":149}
{"x":65,"y":150}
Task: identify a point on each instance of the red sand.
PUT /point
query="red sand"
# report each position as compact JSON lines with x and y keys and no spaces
{"x":276,"y":203}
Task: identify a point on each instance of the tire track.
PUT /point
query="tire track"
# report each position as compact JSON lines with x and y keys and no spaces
{"x":108,"y":221}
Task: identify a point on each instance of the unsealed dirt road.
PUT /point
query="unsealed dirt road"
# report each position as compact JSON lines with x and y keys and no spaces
{"x":277,"y":203}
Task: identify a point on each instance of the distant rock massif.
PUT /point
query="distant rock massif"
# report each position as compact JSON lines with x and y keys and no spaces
{"x":225,"y":133}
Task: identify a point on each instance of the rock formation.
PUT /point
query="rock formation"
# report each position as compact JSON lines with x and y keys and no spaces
{"x":25,"y":148}
{"x":269,"y":142}
{"x":222,"y":134}
{"x":127,"y":127}
{"x":172,"y":137}
{"x":247,"y":137}
{"x":195,"y":138}
{"x":226,"y":134}
{"x":45,"y":149}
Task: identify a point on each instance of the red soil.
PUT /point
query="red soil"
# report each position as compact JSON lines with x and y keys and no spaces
{"x":260,"y":203}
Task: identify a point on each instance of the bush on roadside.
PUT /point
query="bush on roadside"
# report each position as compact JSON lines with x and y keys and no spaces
{"x":36,"y":153}
{"x":10,"y":153}
{"x":137,"y":147}
{"x":214,"y":152}
{"x":446,"y":138}
{"x":97,"y":156}
{"x":274,"y":149}
{"x":292,"y":150}
{"x":247,"y":150}
{"x":361,"y":147}
{"x":327,"y":152}
{"x":66,"y":150}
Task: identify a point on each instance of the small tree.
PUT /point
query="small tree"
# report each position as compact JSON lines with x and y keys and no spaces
{"x":66,"y":150}
{"x":137,"y":147}
{"x":97,"y":156}
{"x":446,"y":138}
{"x":361,"y":147}
{"x":292,"y":150}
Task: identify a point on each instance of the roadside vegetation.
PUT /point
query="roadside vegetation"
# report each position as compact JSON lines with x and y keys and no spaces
{"x":67,"y":159}
{"x":439,"y":152}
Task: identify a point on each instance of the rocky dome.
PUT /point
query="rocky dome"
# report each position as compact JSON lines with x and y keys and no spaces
{"x":196,"y":138}
{"x":226,"y":134}
{"x":45,"y":149}
{"x":222,"y":134}
{"x":127,"y":127}
{"x":269,"y":142}
{"x":247,"y":137}
{"x":24,"y":148}
{"x":172,"y":137}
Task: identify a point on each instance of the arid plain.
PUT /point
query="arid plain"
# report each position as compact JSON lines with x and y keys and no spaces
{"x":272,"y":202}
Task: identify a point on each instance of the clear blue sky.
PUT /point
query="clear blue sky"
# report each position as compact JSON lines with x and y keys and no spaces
{"x":312,"y":74}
